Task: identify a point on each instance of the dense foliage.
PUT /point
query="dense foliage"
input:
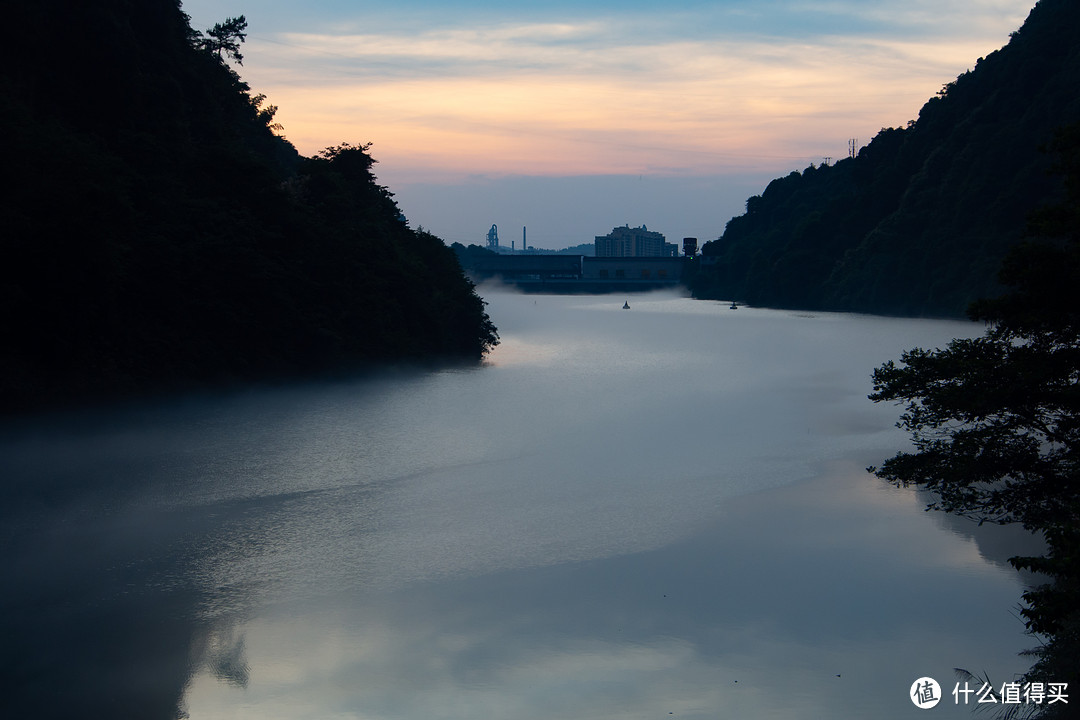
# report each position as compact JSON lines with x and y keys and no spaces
{"x":466,"y":255}
{"x":158,"y":230}
{"x":917,"y":223}
{"x":996,"y":419}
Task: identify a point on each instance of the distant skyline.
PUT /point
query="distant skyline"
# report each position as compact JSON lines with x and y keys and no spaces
{"x":572,"y":118}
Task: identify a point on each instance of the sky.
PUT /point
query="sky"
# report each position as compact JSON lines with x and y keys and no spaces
{"x":571,"y":117}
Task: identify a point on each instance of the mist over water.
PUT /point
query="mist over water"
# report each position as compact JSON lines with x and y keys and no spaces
{"x":660,"y":511}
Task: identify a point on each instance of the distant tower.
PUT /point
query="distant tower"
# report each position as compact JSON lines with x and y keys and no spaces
{"x":493,"y":238}
{"x":524,"y":245}
{"x":689,"y":247}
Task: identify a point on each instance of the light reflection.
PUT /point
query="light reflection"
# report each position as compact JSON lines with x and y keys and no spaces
{"x":731,"y":618}
{"x":674,"y":504}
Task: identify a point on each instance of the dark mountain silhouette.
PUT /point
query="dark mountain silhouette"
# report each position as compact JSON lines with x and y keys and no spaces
{"x":157,"y":231}
{"x":919,"y":221}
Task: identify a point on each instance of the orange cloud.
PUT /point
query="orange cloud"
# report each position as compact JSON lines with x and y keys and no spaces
{"x":551,"y":99}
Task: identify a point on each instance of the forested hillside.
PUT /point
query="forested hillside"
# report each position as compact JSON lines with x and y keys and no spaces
{"x":919,"y":221}
{"x":158,"y":230}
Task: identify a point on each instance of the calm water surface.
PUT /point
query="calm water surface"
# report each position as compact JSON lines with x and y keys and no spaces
{"x":653,"y":513}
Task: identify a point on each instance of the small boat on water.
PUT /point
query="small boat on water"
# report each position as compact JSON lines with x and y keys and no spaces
{"x":734,"y":306}
{"x":626,"y":305}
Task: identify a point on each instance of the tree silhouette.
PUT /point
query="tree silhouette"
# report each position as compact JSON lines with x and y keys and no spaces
{"x":996,"y":419}
{"x":225,"y":39}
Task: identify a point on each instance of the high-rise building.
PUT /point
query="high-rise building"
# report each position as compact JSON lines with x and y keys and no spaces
{"x":626,"y":241}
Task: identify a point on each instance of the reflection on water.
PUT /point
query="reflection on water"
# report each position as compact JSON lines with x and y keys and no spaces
{"x":623,"y":514}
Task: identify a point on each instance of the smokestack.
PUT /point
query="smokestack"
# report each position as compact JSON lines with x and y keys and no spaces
{"x":524,"y":245}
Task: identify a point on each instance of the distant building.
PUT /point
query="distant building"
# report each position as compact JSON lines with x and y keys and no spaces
{"x":526,"y":268}
{"x":576,"y":273}
{"x":628,"y":272}
{"x":626,"y":241}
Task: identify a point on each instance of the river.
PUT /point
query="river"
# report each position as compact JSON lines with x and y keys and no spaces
{"x":646,"y":513}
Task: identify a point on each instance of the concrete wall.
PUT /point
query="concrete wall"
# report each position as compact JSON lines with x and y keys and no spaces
{"x":637,"y":269}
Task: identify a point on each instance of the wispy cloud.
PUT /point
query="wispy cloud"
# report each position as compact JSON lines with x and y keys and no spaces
{"x":595,"y":88}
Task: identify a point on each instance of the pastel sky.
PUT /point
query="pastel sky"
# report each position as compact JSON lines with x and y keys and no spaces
{"x":574,"y":116}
